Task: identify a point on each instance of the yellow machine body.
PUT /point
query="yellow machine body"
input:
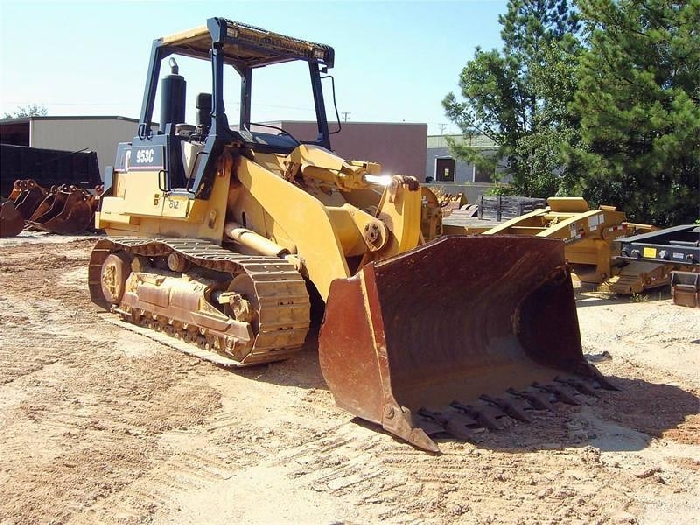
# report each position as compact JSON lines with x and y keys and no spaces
{"x":330,"y":215}
{"x":234,"y":251}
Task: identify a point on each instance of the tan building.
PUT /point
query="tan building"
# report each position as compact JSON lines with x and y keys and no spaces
{"x":398,"y":147}
{"x":98,"y":134}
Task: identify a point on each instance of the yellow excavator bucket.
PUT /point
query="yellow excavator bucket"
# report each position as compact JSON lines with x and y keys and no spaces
{"x":453,"y":335}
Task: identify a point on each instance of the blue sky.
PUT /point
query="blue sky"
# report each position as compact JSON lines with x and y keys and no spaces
{"x":395,"y":60}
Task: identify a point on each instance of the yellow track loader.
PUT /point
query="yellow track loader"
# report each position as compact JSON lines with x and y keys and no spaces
{"x":223,"y":236}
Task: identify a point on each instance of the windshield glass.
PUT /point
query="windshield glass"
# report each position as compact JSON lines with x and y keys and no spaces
{"x":282,"y":97}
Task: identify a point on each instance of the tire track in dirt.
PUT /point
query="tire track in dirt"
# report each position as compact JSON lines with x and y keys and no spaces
{"x":170,"y":471}
{"x":95,"y":413}
{"x":519,"y":474}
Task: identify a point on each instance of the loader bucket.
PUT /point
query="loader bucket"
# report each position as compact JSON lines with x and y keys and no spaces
{"x":30,"y":197}
{"x":16,"y":190}
{"x":52,"y":205}
{"x":449,"y":321}
{"x":45,"y":205}
{"x":11,"y":221}
{"x":75,"y":215}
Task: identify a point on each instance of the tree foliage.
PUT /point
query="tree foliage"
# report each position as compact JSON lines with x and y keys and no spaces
{"x":518,"y":97}
{"x":638,"y":96}
{"x":600,"y":98}
{"x":31,"y":110}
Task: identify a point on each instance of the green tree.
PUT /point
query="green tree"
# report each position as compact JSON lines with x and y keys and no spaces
{"x":32,"y":110}
{"x":638,"y":97}
{"x":519,"y":97}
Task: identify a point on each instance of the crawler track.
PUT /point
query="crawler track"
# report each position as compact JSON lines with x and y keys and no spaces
{"x":281,"y":293}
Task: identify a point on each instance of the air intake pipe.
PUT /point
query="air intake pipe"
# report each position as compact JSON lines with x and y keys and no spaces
{"x":173,"y":89}
{"x":204,"y":112}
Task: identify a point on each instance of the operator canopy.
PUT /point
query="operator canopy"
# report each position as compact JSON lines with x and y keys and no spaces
{"x":246,"y":46}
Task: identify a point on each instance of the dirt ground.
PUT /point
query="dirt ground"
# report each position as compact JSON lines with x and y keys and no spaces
{"x":101,"y":425}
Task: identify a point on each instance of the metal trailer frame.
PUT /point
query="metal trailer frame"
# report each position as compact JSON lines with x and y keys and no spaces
{"x":677,"y":245}
{"x":680,"y":246}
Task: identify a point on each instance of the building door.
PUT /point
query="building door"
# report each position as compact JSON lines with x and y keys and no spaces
{"x":444,"y":169}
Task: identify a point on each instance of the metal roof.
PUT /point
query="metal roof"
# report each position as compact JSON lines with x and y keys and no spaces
{"x":23,"y":120}
{"x":247,"y":46}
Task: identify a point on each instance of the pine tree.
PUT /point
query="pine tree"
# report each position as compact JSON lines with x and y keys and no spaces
{"x":638,"y":98}
{"x":519,"y":97}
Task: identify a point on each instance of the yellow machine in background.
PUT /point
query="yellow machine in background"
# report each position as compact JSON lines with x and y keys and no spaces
{"x":592,"y":246}
{"x":230,"y":238}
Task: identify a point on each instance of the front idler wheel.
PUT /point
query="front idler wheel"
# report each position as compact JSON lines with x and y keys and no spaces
{"x":115,"y":271}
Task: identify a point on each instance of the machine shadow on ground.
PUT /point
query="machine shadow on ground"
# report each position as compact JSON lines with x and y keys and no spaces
{"x":302,"y":370}
{"x":585,"y":299}
{"x":627,"y":420}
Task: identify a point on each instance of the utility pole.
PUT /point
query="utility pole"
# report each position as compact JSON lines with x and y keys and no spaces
{"x":345,"y":115}
{"x":442,"y":128}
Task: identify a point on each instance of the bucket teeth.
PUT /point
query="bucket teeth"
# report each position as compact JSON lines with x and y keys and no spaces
{"x":581,"y":386}
{"x":466,"y":421}
{"x":429,"y":425}
{"x":539,"y":400}
{"x":514,"y":407}
{"x":604,"y":383}
{"x":589,"y":371}
{"x":455,"y":424}
{"x":491,"y":417}
{"x":562,"y":393}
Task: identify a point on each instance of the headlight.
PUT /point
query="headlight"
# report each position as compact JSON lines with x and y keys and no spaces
{"x":381,"y":180}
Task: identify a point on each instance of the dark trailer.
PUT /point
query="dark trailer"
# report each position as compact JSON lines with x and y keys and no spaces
{"x":679,"y":244}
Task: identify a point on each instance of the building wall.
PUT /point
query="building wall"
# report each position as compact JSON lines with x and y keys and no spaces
{"x":464,"y":171}
{"x":100,"y":135}
{"x":398,"y":147}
